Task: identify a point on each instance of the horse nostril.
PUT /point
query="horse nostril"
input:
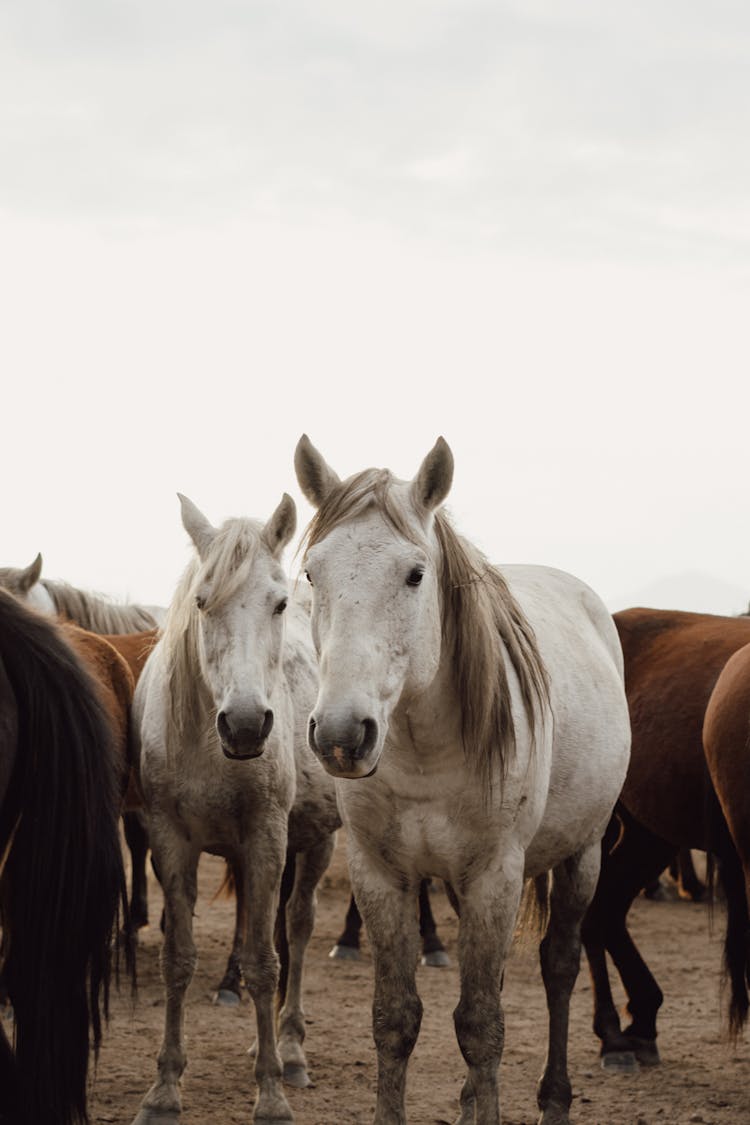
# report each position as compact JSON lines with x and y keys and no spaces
{"x":311,"y":733}
{"x":369,"y":736}
{"x":267,"y":725}
{"x":223,"y":727}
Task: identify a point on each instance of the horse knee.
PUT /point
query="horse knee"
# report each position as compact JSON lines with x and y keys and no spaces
{"x":261,"y":972}
{"x":480,"y":1030}
{"x":396,"y":1025}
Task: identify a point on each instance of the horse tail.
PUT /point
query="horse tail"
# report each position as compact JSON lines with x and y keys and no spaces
{"x":725,"y":867}
{"x":533,"y":913}
{"x":737,"y":938}
{"x":63,"y":878}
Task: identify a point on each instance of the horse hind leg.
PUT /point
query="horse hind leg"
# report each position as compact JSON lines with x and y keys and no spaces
{"x":229,"y":990}
{"x":300,"y":919}
{"x":346,"y":947}
{"x":573,"y":887}
{"x":627,"y":867}
{"x":433,"y":950}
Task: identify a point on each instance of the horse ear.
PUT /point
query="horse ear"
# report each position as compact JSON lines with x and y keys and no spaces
{"x":316,"y":478}
{"x":30,"y":575}
{"x":281,"y":526}
{"x":433,"y":482}
{"x":196,"y":525}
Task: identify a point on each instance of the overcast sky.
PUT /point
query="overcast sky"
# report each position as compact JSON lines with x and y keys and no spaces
{"x":525,"y":226}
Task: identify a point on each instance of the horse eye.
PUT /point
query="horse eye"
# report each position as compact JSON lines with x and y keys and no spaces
{"x":281,"y":606}
{"x":200,"y":601}
{"x":307,"y":576}
{"x":415,"y":576}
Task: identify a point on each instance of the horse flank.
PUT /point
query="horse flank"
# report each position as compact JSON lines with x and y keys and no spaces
{"x":480,"y":620}
{"x":226,"y":566}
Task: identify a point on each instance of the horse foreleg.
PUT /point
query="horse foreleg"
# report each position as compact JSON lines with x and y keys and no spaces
{"x":573,"y":886}
{"x":488,"y":908}
{"x":178,"y":865}
{"x":262,"y":877}
{"x":433,"y":950}
{"x":300,"y":918}
{"x":389,"y":913}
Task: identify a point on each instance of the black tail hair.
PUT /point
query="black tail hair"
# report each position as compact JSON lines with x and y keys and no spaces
{"x":63,"y":880}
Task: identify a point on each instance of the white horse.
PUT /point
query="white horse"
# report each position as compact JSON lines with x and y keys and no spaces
{"x":221,"y":710}
{"x":477,"y":727}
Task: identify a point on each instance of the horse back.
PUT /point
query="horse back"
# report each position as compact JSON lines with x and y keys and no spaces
{"x":672,"y":662}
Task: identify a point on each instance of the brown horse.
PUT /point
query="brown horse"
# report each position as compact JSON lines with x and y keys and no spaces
{"x":61,"y":875}
{"x":672,"y":662}
{"x":726,"y":739}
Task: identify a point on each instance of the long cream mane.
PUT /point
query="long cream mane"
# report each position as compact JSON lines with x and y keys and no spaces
{"x":480,"y":620}
{"x":226,"y":567}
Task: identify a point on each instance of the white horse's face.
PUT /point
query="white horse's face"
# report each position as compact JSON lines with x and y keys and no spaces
{"x":375,"y":616}
{"x":376,"y":627}
{"x":241,"y":636}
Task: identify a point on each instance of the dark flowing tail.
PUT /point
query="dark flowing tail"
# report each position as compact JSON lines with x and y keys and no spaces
{"x":737,"y":938}
{"x":725,"y":867}
{"x":63,"y":880}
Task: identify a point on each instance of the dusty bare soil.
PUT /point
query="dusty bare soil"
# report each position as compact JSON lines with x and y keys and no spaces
{"x":702,"y":1078}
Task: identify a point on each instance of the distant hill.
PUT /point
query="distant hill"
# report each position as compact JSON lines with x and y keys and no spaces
{"x":692,"y":591}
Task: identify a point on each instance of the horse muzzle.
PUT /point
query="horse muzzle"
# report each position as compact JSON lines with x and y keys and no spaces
{"x":346,"y":750}
{"x":243,"y":737}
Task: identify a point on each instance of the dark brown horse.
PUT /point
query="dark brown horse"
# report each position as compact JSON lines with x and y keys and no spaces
{"x":726,"y":740}
{"x":672,"y":663}
{"x":61,"y":874}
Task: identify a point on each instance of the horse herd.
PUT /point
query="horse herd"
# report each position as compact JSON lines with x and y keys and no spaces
{"x":464,"y":722}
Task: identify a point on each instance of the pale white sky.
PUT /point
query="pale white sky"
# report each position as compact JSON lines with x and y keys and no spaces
{"x":525,"y":226}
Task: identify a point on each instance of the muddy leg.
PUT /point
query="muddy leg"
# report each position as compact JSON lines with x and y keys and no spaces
{"x":262,"y":879}
{"x":573,"y":886}
{"x":300,"y":918}
{"x":178,"y":864}
{"x":391,"y":920}
{"x":488,"y":909}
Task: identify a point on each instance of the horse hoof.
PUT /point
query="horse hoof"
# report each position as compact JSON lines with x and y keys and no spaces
{"x":438,"y":959}
{"x":148,"y":1116}
{"x":645,"y":1050}
{"x":225,"y":998}
{"x":344,"y":953}
{"x":554,"y":1115}
{"x":297,"y":1076}
{"x":620,"y":1062}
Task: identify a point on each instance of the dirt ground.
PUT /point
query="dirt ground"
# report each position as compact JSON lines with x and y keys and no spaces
{"x":702,"y":1077}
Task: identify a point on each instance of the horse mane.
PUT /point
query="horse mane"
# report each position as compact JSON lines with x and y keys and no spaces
{"x":95,"y":612}
{"x":219,"y":575}
{"x":481,"y":621}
